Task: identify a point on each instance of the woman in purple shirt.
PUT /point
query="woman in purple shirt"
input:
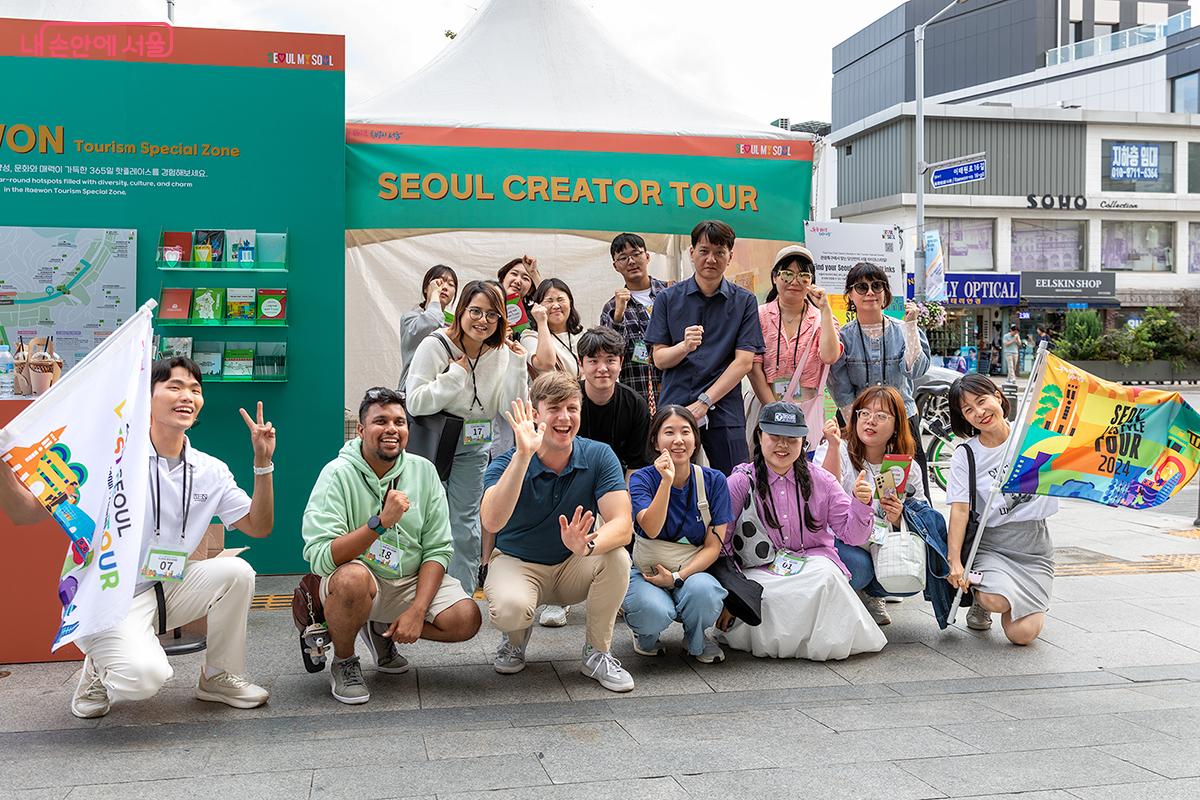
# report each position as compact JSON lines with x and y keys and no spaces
{"x":790,"y":513}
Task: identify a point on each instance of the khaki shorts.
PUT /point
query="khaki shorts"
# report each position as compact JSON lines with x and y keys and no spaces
{"x":394,"y":596}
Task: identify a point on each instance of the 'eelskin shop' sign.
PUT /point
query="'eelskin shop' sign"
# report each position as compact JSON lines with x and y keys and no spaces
{"x":1069,"y":286}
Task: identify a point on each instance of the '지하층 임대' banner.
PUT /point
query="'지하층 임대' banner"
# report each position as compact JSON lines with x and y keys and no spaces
{"x":1096,"y":440}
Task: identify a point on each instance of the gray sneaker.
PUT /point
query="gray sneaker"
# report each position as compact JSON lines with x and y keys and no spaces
{"x":979,"y":618}
{"x":383,"y":650}
{"x":606,"y":670}
{"x":91,"y":698}
{"x":346,"y":678}
{"x":876,"y":608}
{"x":510,"y":655}
{"x":554,"y":616}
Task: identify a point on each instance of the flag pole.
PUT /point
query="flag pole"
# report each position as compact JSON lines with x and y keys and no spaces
{"x":1024,"y":417}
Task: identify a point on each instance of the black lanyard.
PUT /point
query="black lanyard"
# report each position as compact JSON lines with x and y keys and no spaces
{"x":156,"y":495}
{"x":883,"y":354}
{"x":567,"y":345}
{"x":474,"y":386}
{"x":375,"y":487}
{"x":779,"y":338}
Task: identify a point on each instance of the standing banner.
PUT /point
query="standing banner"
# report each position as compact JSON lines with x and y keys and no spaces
{"x":1097,"y":440}
{"x":935,"y":267}
{"x":838,"y":246}
{"x":82,"y":449}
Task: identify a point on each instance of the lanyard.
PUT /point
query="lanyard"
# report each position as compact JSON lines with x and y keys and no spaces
{"x":156,"y":496}
{"x":375,"y":487}
{"x":475,"y":401}
{"x":799,"y":514}
{"x":566,"y":345}
{"x":779,"y":337}
{"x":883,"y":355}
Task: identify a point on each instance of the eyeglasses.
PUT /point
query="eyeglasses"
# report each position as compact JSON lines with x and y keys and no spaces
{"x":789,"y":276}
{"x":629,"y":258}
{"x":862,"y":287}
{"x":879,"y":417}
{"x":477,"y":313}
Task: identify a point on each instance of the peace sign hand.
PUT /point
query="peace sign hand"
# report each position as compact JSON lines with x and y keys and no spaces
{"x":262,"y":437}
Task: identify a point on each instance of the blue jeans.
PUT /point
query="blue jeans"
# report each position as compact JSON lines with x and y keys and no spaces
{"x":862,"y":570}
{"x":650,"y":610}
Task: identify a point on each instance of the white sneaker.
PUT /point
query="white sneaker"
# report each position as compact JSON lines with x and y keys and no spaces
{"x":510,"y":655}
{"x":876,"y":609}
{"x":606,"y":670}
{"x":712,"y":652}
{"x":651,"y":649}
{"x":91,"y":698}
{"x":979,"y":618}
{"x":554,"y":616}
{"x":232,"y":690}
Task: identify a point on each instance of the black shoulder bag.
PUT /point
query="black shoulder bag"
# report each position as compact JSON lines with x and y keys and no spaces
{"x":436,"y":436}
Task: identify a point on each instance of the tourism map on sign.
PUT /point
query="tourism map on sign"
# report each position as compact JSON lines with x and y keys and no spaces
{"x":75,"y":284}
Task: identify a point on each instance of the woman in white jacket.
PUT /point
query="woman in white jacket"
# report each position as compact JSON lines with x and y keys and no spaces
{"x":471,"y":371}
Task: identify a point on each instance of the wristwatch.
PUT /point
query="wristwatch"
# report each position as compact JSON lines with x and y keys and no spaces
{"x":704,"y":398}
{"x":678,"y":580}
{"x":591,"y":547}
{"x":376,"y":524}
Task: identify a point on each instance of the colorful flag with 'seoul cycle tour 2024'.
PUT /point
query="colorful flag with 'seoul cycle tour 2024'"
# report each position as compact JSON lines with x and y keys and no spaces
{"x":82,"y":450}
{"x":1101,"y":441}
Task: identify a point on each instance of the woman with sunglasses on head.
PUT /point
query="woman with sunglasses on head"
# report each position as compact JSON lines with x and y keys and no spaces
{"x":877,"y":428}
{"x":471,"y":371}
{"x":554,"y":333}
{"x":797,"y":325}
{"x":438,"y":288}
{"x":1015,"y":559}
{"x":792,"y":514}
{"x":878,"y":351}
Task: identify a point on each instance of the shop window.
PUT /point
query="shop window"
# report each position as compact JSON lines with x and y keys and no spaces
{"x":1194,"y":247}
{"x":1194,"y":167}
{"x":1137,"y":246}
{"x":1047,"y":245}
{"x":1127,"y":166}
{"x":1185,"y":94}
{"x":966,"y":242}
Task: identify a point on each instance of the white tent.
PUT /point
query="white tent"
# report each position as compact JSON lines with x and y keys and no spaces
{"x":522,"y":65}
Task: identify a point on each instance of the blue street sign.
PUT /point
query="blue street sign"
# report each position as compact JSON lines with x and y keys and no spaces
{"x":966,"y":172}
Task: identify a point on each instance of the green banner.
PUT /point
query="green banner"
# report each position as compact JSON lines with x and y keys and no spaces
{"x":418,"y":186}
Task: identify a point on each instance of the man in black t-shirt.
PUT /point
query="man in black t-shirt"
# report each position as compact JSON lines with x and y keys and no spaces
{"x":612,"y":412}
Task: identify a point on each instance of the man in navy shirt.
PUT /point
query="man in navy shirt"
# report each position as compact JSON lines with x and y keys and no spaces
{"x":542,"y":498}
{"x":705,"y":333}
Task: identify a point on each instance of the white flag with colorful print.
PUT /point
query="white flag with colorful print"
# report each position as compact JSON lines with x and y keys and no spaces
{"x":82,"y":450}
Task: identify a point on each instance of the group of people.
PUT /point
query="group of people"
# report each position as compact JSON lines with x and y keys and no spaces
{"x":575,"y":479}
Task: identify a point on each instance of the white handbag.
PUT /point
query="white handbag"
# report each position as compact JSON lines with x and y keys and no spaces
{"x":900,"y":561}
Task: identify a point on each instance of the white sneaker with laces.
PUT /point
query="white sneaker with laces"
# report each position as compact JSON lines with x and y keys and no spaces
{"x":232,"y":690}
{"x":554,"y":616}
{"x":91,"y":697}
{"x":606,"y":670}
{"x":979,"y":618}
{"x":510,"y":655}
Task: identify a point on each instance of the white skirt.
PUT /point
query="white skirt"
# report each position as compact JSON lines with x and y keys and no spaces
{"x":813,"y":614}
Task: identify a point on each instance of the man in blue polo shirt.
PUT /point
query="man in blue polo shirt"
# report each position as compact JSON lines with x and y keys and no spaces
{"x":704,"y":334}
{"x":542,"y":498}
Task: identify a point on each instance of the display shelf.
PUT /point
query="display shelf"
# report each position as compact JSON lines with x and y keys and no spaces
{"x":220,"y":323}
{"x":245,"y":378}
{"x":209,"y":266}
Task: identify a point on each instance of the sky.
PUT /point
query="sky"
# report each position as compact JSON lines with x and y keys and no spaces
{"x":764,"y":58}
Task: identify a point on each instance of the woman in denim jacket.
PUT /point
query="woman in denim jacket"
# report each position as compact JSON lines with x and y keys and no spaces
{"x":878,"y":351}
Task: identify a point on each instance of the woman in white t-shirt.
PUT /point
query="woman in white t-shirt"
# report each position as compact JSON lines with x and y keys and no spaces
{"x":1015,"y":558}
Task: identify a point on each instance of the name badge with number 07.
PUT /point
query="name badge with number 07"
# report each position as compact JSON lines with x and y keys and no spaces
{"x":788,"y":562}
{"x":477,"y":431}
{"x":164,"y":565}
{"x":384,"y":554}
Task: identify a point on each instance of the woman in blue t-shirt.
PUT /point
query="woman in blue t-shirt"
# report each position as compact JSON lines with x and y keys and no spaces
{"x":680,"y":513}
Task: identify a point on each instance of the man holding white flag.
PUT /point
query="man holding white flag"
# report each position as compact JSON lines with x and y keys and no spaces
{"x":126,"y":576}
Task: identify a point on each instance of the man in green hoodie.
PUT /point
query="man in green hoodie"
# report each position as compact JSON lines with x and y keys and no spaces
{"x":377,"y":531}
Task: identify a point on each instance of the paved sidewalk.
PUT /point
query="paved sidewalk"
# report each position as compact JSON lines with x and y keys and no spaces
{"x":1104,"y":707}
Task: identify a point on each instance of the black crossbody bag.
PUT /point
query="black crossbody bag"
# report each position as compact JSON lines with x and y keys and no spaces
{"x":436,"y":436}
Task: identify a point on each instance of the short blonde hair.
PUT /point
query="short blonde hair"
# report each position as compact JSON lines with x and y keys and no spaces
{"x":554,"y":387}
